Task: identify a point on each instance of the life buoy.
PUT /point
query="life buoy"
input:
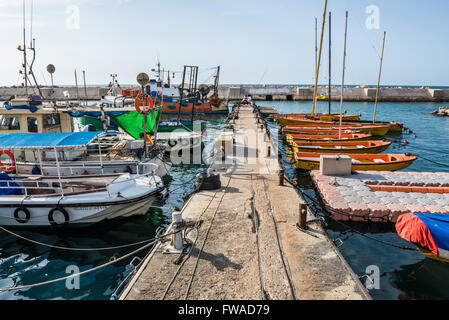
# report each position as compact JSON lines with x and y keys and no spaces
{"x":58,"y":210}
{"x":143,"y":103}
{"x":18,"y":218}
{"x":12,"y":166}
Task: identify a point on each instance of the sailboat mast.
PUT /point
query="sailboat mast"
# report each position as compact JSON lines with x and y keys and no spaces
{"x":330,"y":66}
{"x":378,"y":81}
{"x":319,"y":59}
{"x":25,"y":75}
{"x":316,"y":44}
{"x":343,"y":78}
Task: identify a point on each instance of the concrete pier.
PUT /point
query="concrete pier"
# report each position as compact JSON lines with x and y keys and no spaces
{"x":247,"y":245}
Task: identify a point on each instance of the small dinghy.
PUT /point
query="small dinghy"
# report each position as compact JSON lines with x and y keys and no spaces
{"x":349,"y":147}
{"x":360,"y":162}
{"x":429,"y":231}
{"x":326,"y":137}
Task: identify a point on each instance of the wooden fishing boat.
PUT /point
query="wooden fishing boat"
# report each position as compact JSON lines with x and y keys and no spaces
{"x":395,"y":127}
{"x":319,"y":130}
{"x":326,"y":137}
{"x":349,"y":147}
{"x":360,"y":162}
{"x":289,"y":119}
{"x":375,"y":130}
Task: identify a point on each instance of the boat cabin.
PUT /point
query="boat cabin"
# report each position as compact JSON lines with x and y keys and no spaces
{"x":44,"y":120}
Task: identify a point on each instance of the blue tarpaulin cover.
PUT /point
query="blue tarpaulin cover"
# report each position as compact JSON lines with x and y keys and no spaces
{"x":47,"y":140}
{"x":7,"y":191}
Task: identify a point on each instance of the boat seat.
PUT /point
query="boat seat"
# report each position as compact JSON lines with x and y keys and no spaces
{"x":355,"y":161}
{"x":379,"y":161}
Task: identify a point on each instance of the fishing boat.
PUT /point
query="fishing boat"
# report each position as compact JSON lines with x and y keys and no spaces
{"x":319,"y":130}
{"x":295,"y":119}
{"x":78,"y":154}
{"x":360,"y":162}
{"x":395,"y":127}
{"x":341,"y":147}
{"x":428,"y":231}
{"x":330,"y":137}
{"x":64,"y":203}
{"x":375,"y":130}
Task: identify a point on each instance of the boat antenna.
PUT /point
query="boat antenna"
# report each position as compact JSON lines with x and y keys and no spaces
{"x":378,"y":81}
{"x":319,"y":59}
{"x":343,"y":78}
{"x":330,"y":68}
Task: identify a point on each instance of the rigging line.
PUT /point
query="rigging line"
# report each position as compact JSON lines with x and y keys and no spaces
{"x":421,"y":148}
{"x":191,"y":248}
{"x":256,"y":227}
{"x":76,"y":249}
{"x":79,"y":273}
{"x":284,"y":263}
{"x":205,"y":239}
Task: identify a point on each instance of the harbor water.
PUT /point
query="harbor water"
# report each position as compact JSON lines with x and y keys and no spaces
{"x":403,"y":274}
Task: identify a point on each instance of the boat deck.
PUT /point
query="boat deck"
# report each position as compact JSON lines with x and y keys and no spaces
{"x":248,"y":246}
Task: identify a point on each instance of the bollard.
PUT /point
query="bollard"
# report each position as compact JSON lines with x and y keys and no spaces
{"x":268,"y":151}
{"x":303,"y":216}
{"x":281,"y":177}
{"x":177,"y":243}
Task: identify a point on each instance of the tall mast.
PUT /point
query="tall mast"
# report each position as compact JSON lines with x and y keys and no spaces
{"x":25,"y":75}
{"x":330,"y":68}
{"x":378,"y":81}
{"x":343,"y":78}
{"x":316,"y":44}
{"x":319,"y":59}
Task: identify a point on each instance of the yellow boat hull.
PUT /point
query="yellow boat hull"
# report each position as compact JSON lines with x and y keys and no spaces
{"x":372,"y":150}
{"x":311,"y":165}
{"x":430,"y":255}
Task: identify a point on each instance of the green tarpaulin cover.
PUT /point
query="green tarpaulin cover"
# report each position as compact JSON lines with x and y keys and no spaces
{"x":132,"y":122}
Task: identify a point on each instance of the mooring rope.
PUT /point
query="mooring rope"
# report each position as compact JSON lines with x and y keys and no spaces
{"x":77,"y":249}
{"x":79,"y":273}
{"x":319,"y":207}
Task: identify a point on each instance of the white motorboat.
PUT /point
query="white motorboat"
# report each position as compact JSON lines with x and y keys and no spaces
{"x":62,"y":203}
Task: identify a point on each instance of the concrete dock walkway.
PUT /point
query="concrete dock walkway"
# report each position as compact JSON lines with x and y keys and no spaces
{"x":248,"y":246}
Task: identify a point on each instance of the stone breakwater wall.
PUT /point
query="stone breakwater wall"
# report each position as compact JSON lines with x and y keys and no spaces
{"x":264,"y":93}
{"x":362,"y":93}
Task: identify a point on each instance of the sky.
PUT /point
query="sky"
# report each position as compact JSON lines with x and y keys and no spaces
{"x":254,"y":41}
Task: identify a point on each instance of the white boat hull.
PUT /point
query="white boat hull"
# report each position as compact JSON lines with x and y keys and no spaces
{"x":125,"y":199}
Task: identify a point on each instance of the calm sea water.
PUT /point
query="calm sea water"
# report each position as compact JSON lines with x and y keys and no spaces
{"x":404,"y":274}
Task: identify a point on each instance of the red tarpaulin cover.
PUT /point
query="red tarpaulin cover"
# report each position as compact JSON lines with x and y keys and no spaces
{"x":411,"y":228}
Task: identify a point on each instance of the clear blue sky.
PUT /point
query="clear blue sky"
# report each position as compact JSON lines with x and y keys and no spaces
{"x":255,"y":41}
